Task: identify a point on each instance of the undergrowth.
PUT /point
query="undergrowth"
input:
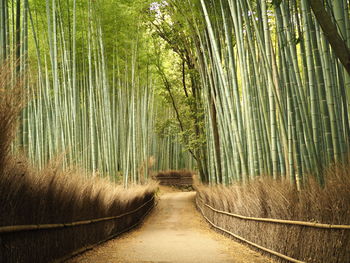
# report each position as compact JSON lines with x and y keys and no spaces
{"x":54,"y":196}
{"x":278,"y":199}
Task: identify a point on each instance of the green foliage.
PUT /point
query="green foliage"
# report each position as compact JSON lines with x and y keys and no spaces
{"x":247,"y":87}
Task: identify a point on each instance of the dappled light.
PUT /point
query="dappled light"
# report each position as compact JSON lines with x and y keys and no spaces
{"x":174,"y":131}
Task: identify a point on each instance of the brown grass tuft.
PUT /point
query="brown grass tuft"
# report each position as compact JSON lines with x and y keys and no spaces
{"x":10,"y":106}
{"x":52,"y":196}
{"x":268,"y":198}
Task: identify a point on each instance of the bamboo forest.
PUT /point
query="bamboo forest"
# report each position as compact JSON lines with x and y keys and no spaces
{"x":174,"y":131}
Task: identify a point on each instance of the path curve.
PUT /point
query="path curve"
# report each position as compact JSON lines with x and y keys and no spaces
{"x":174,"y":233}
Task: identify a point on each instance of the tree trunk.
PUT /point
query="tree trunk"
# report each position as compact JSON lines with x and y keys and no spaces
{"x":330,"y":30}
{"x":18,"y":36}
{"x":216,"y":140}
{"x":3,"y":27}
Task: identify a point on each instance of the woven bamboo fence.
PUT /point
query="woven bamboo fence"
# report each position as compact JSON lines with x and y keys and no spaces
{"x":57,"y":242}
{"x":285,"y":240}
{"x":175,"y":178}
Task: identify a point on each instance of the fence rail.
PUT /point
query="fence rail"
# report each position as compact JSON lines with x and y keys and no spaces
{"x":84,"y":249}
{"x":280,"y":221}
{"x":20,"y":228}
{"x":275,"y":253}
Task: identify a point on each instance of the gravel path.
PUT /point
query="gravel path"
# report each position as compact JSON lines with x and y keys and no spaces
{"x":174,"y":233}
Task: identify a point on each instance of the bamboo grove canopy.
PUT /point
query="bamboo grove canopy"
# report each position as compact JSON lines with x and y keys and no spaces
{"x":232,"y":88}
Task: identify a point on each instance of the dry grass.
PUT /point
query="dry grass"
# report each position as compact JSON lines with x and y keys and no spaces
{"x":268,"y":198}
{"x":50,"y":196}
{"x":10,"y":106}
{"x":56,"y":196}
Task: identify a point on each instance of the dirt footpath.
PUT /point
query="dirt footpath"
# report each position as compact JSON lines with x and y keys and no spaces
{"x":174,"y":232}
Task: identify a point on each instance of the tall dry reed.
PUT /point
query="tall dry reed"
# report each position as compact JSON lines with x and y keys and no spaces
{"x":54,"y":196}
{"x":11,"y":103}
{"x":268,"y":198}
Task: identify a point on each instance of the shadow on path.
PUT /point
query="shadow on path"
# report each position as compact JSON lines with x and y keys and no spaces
{"x":174,"y":233}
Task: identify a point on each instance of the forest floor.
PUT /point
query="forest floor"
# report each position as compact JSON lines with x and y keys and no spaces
{"x":175,"y":232}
